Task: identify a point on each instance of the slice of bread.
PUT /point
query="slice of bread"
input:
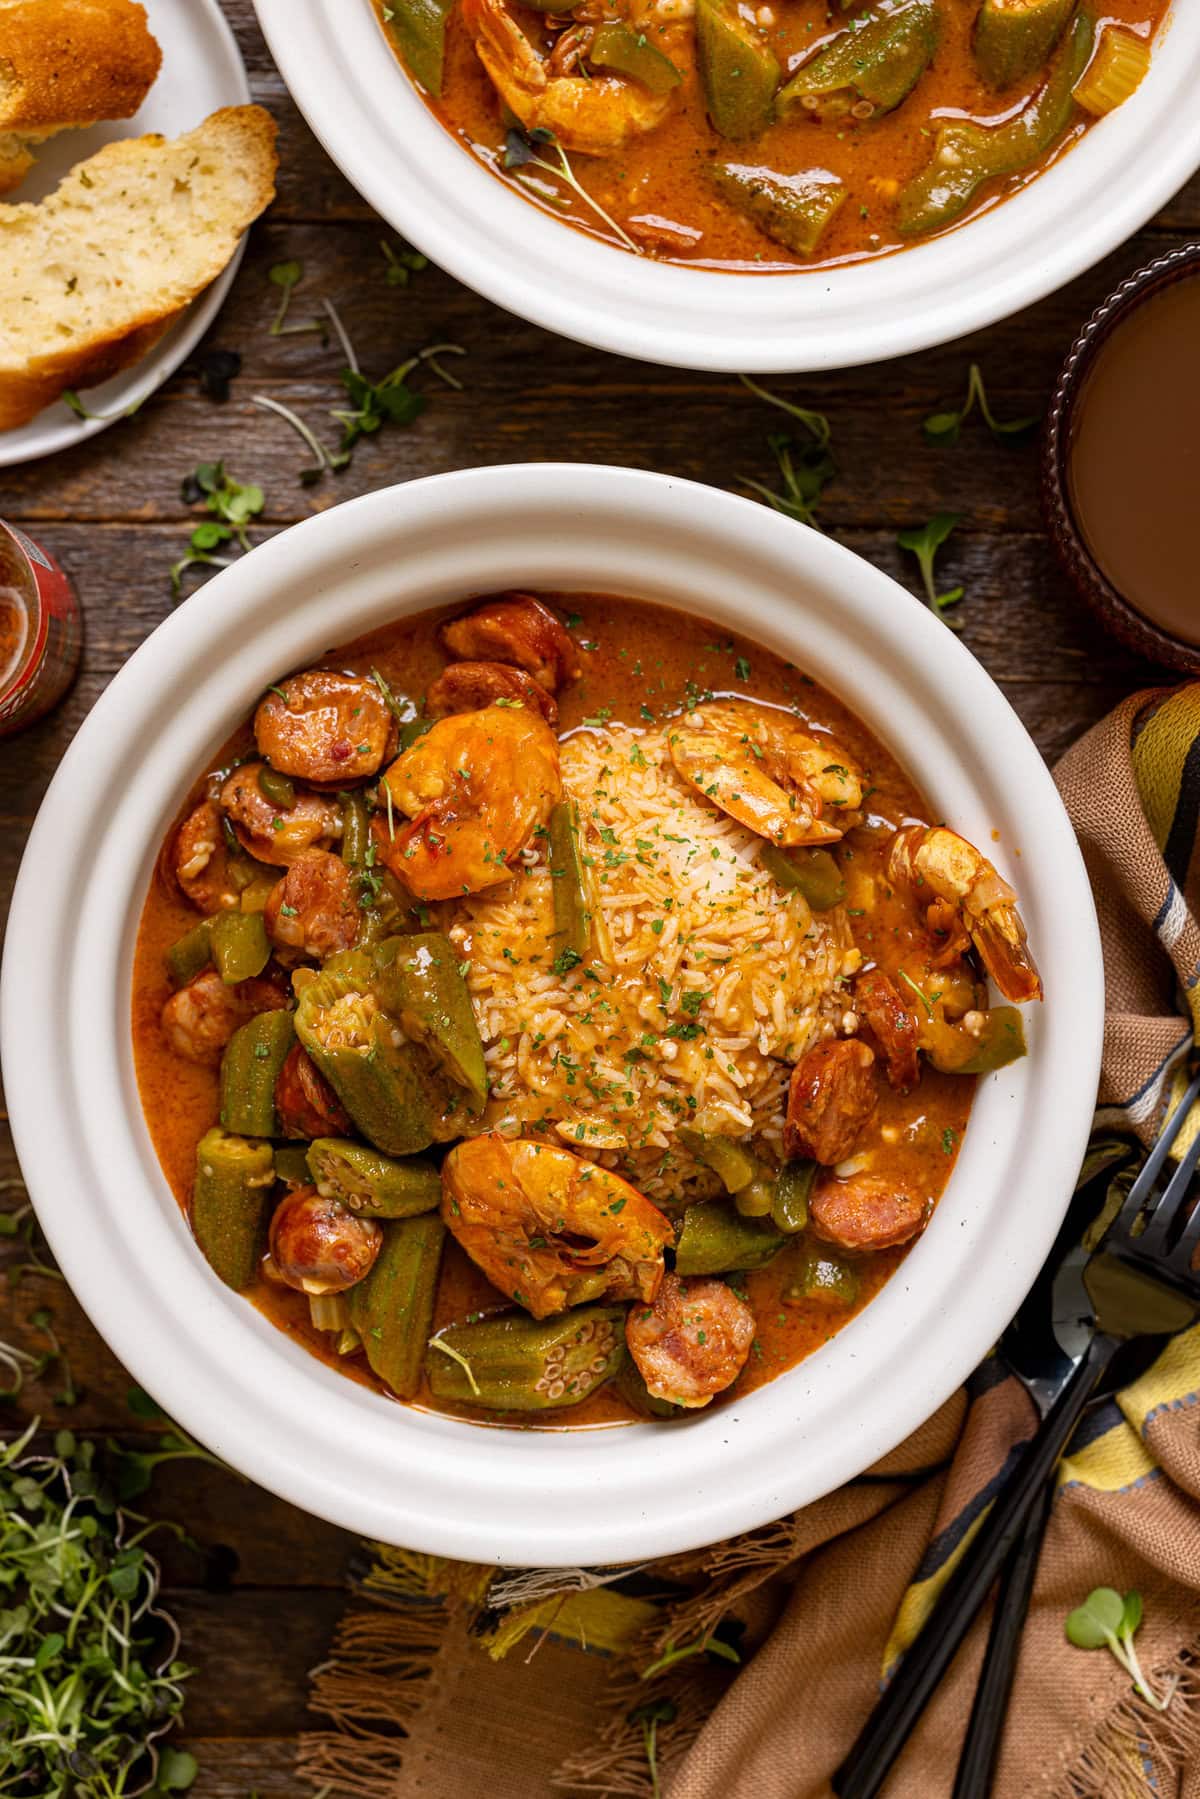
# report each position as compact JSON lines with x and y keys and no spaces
{"x":67,"y":63}
{"x":92,"y":276}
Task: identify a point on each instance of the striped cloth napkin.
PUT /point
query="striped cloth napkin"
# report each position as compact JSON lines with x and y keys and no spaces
{"x":449,"y":1680}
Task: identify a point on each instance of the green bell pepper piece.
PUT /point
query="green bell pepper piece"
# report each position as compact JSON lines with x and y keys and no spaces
{"x":740,"y":74}
{"x":365,"y":1182}
{"x":869,"y":69}
{"x":279,"y":789}
{"x":249,"y":1070}
{"x":1001,"y":1041}
{"x":519,"y":1364}
{"x":291,"y":1164}
{"x":190,"y":953}
{"x":418,"y":30}
{"x":392,"y":1307}
{"x":727,"y":1158}
{"x":614,"y":46}
{"x":240,"y":948}
{"x":714,"y":1239}
{"x":793,"y":210}
{"x":417,"y":981}
{"x":823,"y":1277}
{"x":572,"y":919}
{"x":1013,"y":38}
{"x":392,"y":1090}
{"x":231,"y":1202}
{"x":793,"y":1185}
{"x":756,"y":1200}
{"x":813,"y":873}
{"x":965,"y":155}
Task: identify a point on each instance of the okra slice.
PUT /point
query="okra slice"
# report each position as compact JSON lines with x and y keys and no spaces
{"x":418,"y":29}
{"x":813,"y":873}
{"x":231,"y":1203}
{"x":572,"y":917}
{"x":1013,"y":38}
{"x":965,"y":154}
{"x":739,"y":72}
{"x":249,"y":1070}
{"x":793,"y":210}
{"x":731,"y":1161}
{"x":614,"y":46}
{"x":715,"y":1239}
{"x":392,"y":1308}
{"x":417,"y":981}
{"x":870,"y":68}
{"x":240,"y":948}
{"x":376,"y":1186}
{"x":1001,"y":1041}
{"x":793,"y":1184}
{"x":520,"y":1364}
{"x":821,"y":1277}
{"x":190,"y":953}
{"x":291,"y":1164}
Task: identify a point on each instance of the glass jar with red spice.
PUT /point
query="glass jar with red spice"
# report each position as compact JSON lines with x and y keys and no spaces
{"x":41,"y":631}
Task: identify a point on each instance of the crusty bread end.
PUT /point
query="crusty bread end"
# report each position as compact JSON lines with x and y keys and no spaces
{"x":72,"y":62}
{"x":92,"y":277}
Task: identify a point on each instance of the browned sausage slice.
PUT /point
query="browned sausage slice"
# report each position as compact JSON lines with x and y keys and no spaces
{"x":313,"y":908}
{"x":892,"y":1024}
{"x":515,"y":628}
{"x":868,"y":1211}
{"x":305,"y":1102}
{"x":831,"y":1099}
{"x":325,"y":727}
{"x":469,"y":686}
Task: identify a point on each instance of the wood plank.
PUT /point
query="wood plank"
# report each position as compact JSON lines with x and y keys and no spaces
{"x":252,"y":1652}
{"x":243,"y":1767}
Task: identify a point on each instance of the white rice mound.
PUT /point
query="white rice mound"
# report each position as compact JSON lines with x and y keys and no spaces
{"x":705,"y":978}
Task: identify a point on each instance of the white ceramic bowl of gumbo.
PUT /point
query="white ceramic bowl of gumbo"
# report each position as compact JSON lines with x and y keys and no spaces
{"x":262,"y":1402}
{"x":374,"y":124}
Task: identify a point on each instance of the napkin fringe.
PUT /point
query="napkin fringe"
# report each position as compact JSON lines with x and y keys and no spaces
{"x":371,"y":1688}
{"x":1136,"y":1745}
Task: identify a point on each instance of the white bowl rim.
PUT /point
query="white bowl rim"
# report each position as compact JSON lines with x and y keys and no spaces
{"x":261,"y":1401}
{"x":431,"y":189}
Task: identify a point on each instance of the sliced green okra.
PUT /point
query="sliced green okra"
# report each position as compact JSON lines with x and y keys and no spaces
{"x":869,"y":68}
{"x":793,"y":1185}
{"x":965,"y":154}
{"x":240,"y":948}
{"x":520,"y":1364}
{"x":740,"y":74}
{"x":813,"y":873}
{"x":249,"y":1070}
{"x":373,"y":1185}
{"x":1014,"y":38}
{"x":418,"y":29}
{"x":821,"y":1276}
{"x":418,"y":982}
{"x":291,"y":1164}
{"x":231,"y":1202}
{"x":190,"y":953}
{"x":615,"y":46}
{"x":392,"y":1307}
{"x":715,"y":1239}
{"x":792,"y":210}
{"x":572,"y":918}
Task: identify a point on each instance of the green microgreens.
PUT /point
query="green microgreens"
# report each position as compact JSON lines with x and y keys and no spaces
{"x":288,"y":275}
{"x":1105,"y":1620}
{"x":456,"y":1355}
{"x":521,"y":151}
{"x":650,"y":1715}
{"x":944,"y":427}
{"x":924,"y":542}
{"x":806,"y":468}
{"x":401,"y":263}
{"x":710,"y":1645}
{"x":71,"y":399}
{"x":232,"y":504}
{"x":323,"y":459}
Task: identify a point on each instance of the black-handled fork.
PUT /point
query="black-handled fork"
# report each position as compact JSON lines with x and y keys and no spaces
{"x":1139,"y":1283}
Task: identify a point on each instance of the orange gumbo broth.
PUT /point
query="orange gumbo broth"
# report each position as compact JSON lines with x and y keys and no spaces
{"x":637,"y":661}
{"x":660,"y":186}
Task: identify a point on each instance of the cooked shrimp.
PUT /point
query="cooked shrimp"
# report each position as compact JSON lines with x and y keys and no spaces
{"x":692,"y":1342}
{"x":969,"y":899}
{"x":325,"y":727}
{"x":199,"y":860}
{"x":515,"y":628}
{"x":470,"y":686}
{"x":277,"y":834}
{"x":305,"y":1103}
{"x":475,"y":787}
{"x":199,"y":1020}
{"x":317,"y":1246}
{"x":831,"y":1099}
{"x":594,"y":115}
{"x":313,"y":908}
{"x":867,"y":1211}
{"x":766,"y":771}
{"x":548,"y":1228}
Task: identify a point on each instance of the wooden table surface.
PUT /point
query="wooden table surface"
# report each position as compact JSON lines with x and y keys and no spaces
{"x":259,"y":1612}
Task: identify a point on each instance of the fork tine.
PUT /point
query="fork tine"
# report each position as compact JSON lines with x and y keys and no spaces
{"x":1140,"y":1192}
{"x":1185,"y":1249}
{"x":1153,"y":1240}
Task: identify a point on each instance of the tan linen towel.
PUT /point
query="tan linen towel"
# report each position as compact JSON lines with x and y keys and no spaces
{"x":467,"y":1686}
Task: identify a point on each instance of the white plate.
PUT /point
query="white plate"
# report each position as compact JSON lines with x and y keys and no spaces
{"x":254,"y":1394}
{"x":201,"y":71}
{"x":370,"y":118}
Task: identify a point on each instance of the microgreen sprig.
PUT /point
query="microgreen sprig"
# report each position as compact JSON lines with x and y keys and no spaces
{"x":232,"y":503}
{"x":522,"y":150}
{"x":1106,"y":1620}
{"x":287,"y":276}
{"x":806,"y":468}
{"x":924,"y":542}
{"x":650,"y":1715}
{"x":401,"y":262}
{"x":944,"y":427}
